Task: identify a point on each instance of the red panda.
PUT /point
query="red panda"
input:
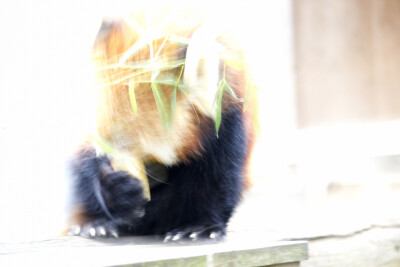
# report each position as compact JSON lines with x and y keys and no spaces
{"x":171,"y":90}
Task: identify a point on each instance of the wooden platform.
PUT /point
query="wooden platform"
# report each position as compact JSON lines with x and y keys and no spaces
{"x":139,"y":251}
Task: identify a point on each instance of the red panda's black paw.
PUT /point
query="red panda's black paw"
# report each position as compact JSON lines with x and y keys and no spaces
{"x":123,"y":197}
{"x":196,"y":233}
{"x":96,"y":229}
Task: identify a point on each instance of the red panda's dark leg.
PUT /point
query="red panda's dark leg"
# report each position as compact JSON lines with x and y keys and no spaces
{"x":202,"y":194}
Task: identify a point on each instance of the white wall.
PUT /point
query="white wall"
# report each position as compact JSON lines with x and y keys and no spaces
{"x":44,"y":74}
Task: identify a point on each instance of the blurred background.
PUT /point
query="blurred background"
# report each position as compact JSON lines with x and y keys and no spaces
{"x":326,"y":165}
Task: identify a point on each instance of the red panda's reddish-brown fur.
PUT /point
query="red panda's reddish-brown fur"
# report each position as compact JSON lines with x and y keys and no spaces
{"x":113,"y":92}
{"x":187,"y":146}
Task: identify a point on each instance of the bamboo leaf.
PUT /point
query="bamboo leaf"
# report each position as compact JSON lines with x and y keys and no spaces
{"x":135,"y":25}
{"x":159,"y":98}
{"x":139,"y":45}
{"x":131,"y":90}
{"x":161,"y":47}
{"x":144,"y":69}
{"x":179,"y":39}
{"x":231,"y":92}
{"x":167,"y":65}
{"x":137,"y":169}
{"x":104,"y":145}
{"x":136,"y":47}
{"x":234,"y":63}
{"x":178,"y":84}
{"x":126,"y":162}
{"x":173,"y":97}
{"x":173,"y":106}
{"x":169,"y":82}
{"x":219,"y":106}
{"x":160,"y":64}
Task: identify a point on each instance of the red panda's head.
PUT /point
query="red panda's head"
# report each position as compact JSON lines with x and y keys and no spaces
{"x":158,"y":74}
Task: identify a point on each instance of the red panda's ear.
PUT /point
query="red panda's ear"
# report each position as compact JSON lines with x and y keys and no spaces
{"x":202,"y":70}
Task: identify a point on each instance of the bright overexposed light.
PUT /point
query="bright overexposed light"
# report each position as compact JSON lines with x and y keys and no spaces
{"x":46,"y":83}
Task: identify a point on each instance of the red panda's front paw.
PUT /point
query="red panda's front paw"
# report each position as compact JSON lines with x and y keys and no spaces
{"x":123,"y":197}
{"x":195,"y":233}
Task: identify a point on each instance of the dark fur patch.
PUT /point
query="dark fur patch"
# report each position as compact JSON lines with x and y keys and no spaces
{"x":201,"y":193}
{"x":103,"y":193}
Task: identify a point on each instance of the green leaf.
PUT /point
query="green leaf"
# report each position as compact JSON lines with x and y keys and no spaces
{"x":158,"y":65}
{"x":159,"y":98}
{"x":173,"y":105}
{"x":218,"y":116}
{"x":234,"y":63}
{"x":135,"y":25}
{"x":161,"y":47}
{"x":145,"y":67}
{"x":104,"y":145}
{"x":169,"y":82}
{"x":139,"y":45}
{"x":132,"y":97}
{"x":126,"y":162}
{"x":173,"y":97}
{"x":178,"y":82}
{"x":179,"y":39}
{"x":136,"y":47}
{"x":166,"y":65}
{"x":231,"y":92}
